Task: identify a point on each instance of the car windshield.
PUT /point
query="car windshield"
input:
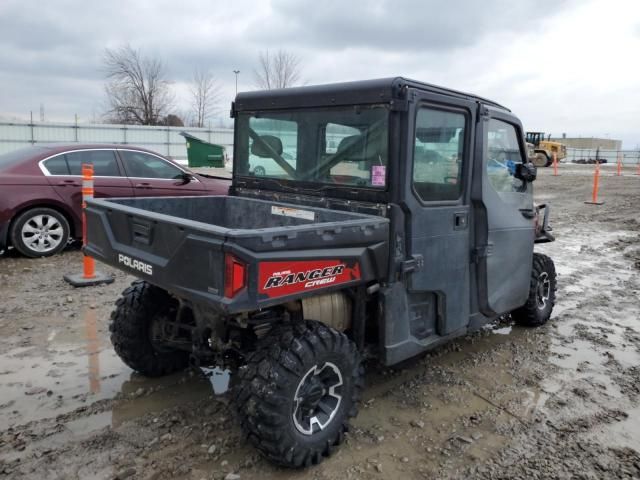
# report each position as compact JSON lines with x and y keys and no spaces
{"x":337,"y":146}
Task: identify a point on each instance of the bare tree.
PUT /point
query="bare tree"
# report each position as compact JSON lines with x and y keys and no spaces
{"x":279,"y":70}
{"x":137,"y":89}
{"x":205,"y":94}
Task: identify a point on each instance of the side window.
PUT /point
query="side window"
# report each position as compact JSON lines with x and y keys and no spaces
{"x":437,"y":154}
{"x":104,"y":162}
{"x":57,"y":165}
{"x":143,"y":165}
{"x":503,"y":154}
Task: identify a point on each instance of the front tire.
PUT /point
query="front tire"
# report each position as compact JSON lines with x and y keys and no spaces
{"x":540,"y":159}
{"x":542,"y":293}
{"x":297,"y":392}
{"x":132,"y":330}
{"x":40,"y":232}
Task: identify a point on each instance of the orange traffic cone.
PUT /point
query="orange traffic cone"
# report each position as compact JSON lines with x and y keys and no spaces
{"x":89,"y":275}
{"x":596,"y":185}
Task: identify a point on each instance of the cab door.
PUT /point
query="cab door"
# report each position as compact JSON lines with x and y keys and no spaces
{"x":440,"y":215}
{"x":505,"y":229}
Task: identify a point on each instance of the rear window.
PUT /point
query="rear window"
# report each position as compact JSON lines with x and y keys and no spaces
{"x":57,"y":165}
{"x":14,"y":157}
{"x":338,"y":146}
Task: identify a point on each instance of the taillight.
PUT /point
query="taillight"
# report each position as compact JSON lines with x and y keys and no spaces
{"x":235,"y":275}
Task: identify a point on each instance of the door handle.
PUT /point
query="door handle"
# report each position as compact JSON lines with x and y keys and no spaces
{"x":460,"y":221}
{"x":71,"y":183}
{"x":528,"y":212}
{"x":143,"y":185}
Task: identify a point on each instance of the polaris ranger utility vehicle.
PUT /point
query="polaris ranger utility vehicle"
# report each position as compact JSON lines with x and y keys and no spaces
{"x":393,"y":216}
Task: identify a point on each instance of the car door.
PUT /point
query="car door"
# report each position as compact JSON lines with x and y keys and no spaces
{"x":439,"y":229}
{"x":65,"y":176}
{"x":153,"y":176}
{"x":505,"y":230}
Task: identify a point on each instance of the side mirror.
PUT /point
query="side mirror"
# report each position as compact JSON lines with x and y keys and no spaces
{"x":264,"y":146}
{"x":527,"y":172}
{"x":186,"y":177}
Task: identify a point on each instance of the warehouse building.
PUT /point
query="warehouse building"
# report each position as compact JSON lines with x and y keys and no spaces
{"x":589,"y":143}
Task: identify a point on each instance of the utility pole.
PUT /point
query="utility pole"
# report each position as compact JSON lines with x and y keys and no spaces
{"x":236,"y":72}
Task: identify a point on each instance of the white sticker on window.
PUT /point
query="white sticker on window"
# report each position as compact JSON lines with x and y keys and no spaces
{"x":378,"y":175}
{"x":293,"y":212}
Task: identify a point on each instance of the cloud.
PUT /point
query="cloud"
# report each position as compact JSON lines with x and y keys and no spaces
{"x":391,"y":25}
{"x":561,"y":65}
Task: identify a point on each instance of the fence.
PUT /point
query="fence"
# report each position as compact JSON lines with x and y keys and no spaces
{"x":167,"y":140}
{"x":583,"y":155}
{"x":164,"y":140}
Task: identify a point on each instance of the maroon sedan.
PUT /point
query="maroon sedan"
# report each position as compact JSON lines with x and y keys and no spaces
{"x":40,"y":189}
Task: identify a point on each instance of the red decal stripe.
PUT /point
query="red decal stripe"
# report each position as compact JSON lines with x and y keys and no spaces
{"x":277,"y":279}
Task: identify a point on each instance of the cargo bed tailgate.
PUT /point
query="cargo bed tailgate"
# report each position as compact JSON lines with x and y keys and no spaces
{"x":181,"y":244}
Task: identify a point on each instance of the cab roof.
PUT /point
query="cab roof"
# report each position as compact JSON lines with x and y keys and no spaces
{"x":383,"y":90}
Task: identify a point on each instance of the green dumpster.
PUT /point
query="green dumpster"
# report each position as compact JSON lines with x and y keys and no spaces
{"x":203,"y":154}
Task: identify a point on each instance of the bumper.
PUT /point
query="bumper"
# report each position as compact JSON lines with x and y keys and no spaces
{"x":4,"y":236}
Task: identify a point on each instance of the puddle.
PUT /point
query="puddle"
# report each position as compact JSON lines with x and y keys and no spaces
{"x":572,"y":355}
{"x":588,"y":332}
{"x":38,"y":386}
{"x":168,"y":392}
{"x":35,"y":385}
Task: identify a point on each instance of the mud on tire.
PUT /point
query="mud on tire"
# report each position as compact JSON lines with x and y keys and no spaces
{"x":139,"y":306}
{"x":276,"y":387}
{"x":542,"y":293}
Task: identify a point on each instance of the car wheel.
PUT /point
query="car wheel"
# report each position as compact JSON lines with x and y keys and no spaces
{"x":297,"y":392}
{"x":40,"y":232}
{"x":259,"y":171}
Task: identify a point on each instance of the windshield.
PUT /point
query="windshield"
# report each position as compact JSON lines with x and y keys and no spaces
{"x":337,"y":146}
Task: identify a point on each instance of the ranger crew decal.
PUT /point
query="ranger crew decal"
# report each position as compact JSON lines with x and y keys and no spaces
{"x":277,"y":279}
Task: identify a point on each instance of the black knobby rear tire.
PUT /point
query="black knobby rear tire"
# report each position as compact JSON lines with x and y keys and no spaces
{"x":139,"y":306}
{"x":542,"y":293}
{"x":272,"y":379}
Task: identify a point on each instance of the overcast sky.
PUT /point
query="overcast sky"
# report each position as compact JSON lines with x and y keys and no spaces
{"x":561,"y":65}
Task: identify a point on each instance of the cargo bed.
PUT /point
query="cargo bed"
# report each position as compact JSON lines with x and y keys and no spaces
{"x":182,"y":243}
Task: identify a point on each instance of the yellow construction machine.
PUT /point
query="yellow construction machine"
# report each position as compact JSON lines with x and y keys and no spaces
{"x":543,"y":150}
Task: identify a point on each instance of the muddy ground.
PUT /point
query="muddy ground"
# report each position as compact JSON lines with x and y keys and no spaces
{"x":561,"y":401}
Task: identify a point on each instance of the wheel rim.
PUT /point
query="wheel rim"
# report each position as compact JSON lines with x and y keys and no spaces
{"x":543,"y":290}
{"x":259,"y":171}
{"x":42,"y":233}
{"x":317,"y":398}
